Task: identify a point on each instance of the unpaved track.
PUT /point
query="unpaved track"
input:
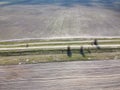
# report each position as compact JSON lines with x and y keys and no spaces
{"x":78,"y":75}
{"x":60,"y":47}
{"x":60,"y":42}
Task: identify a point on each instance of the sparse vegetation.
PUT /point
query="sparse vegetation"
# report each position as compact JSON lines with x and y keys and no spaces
{"x":33,"y":59}
{"x":30,"y":56}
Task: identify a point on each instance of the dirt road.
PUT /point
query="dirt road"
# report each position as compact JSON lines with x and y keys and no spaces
{"x":83,"y":75}
{"x":59,"y":47}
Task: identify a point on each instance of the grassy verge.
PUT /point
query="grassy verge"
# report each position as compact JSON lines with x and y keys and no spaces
{"x":53,"y":51}
{"x":33,"y":59}
{"x":40,"y":56}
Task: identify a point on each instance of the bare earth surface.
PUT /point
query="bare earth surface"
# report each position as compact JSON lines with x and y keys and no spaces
{"x":83,"y":75}
{"x":52,"y":21}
